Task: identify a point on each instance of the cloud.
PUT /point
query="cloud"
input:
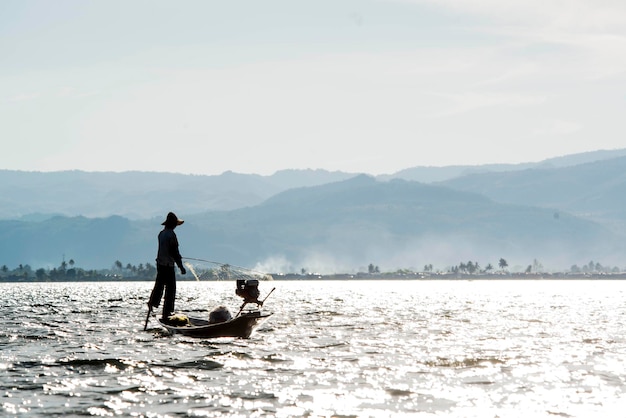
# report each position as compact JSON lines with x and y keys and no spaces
{"x":24,"y":97}
{"x":558,"y":127}
{"x":470,"y":101}
{"x":564,"y":14}
{"x":596,"y":30}
{"x":481,"y":69}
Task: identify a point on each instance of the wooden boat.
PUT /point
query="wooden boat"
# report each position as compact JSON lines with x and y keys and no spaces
{"x":220,"y":322}
{"x":241,"y":326}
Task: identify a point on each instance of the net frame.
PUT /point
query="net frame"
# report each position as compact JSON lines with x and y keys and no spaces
{"x":213,"y":270}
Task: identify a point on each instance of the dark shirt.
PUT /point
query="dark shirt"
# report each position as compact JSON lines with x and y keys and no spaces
{"x":168,"y":254}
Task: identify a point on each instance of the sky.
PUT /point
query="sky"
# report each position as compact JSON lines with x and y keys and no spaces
{"x":204,"y":87}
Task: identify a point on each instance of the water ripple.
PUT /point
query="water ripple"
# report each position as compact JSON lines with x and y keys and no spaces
{"x":406,"y":348}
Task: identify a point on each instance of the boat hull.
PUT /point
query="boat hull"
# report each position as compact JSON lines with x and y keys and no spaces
{"x":239,"y":327}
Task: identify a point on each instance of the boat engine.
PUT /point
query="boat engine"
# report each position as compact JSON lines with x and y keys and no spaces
{"x":248,"y":289}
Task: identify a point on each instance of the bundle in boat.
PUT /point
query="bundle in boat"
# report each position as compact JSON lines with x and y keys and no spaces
{"x":219,"y":314}
{"x":178,"y":320}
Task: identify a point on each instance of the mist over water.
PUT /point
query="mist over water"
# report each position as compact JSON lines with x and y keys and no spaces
{"x":357,"y":348}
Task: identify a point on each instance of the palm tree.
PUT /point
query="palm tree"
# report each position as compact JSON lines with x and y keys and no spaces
{"x":503,"y":264}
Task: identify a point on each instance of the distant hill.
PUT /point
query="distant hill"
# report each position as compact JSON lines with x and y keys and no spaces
{"x":141,"y":195}
{"x":595,"y":190}
{"x":562,"y":211}
{"x":440,"y":174}
{"x":336,"y":227}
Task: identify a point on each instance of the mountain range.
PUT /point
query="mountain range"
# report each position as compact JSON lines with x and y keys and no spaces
{"x":561,"y":212}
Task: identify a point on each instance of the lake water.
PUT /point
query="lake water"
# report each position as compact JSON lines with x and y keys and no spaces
{"x":344,"y":349}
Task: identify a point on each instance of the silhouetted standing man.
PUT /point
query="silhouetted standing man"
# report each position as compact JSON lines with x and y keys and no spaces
{"x":168,"y":257}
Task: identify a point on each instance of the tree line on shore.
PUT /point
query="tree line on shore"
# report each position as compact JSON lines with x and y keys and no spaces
{"x":67,"y":271}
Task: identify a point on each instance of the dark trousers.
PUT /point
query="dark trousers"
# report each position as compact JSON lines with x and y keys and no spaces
{"x":165,"y":279}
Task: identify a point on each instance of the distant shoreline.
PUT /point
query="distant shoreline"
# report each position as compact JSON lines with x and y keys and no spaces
{"x":352,"y":277}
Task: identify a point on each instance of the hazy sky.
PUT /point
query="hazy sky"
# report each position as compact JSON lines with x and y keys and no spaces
{"x":259,"y":86}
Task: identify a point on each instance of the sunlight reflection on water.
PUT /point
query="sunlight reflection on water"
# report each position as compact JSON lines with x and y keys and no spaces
{"x":363,"y":348}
